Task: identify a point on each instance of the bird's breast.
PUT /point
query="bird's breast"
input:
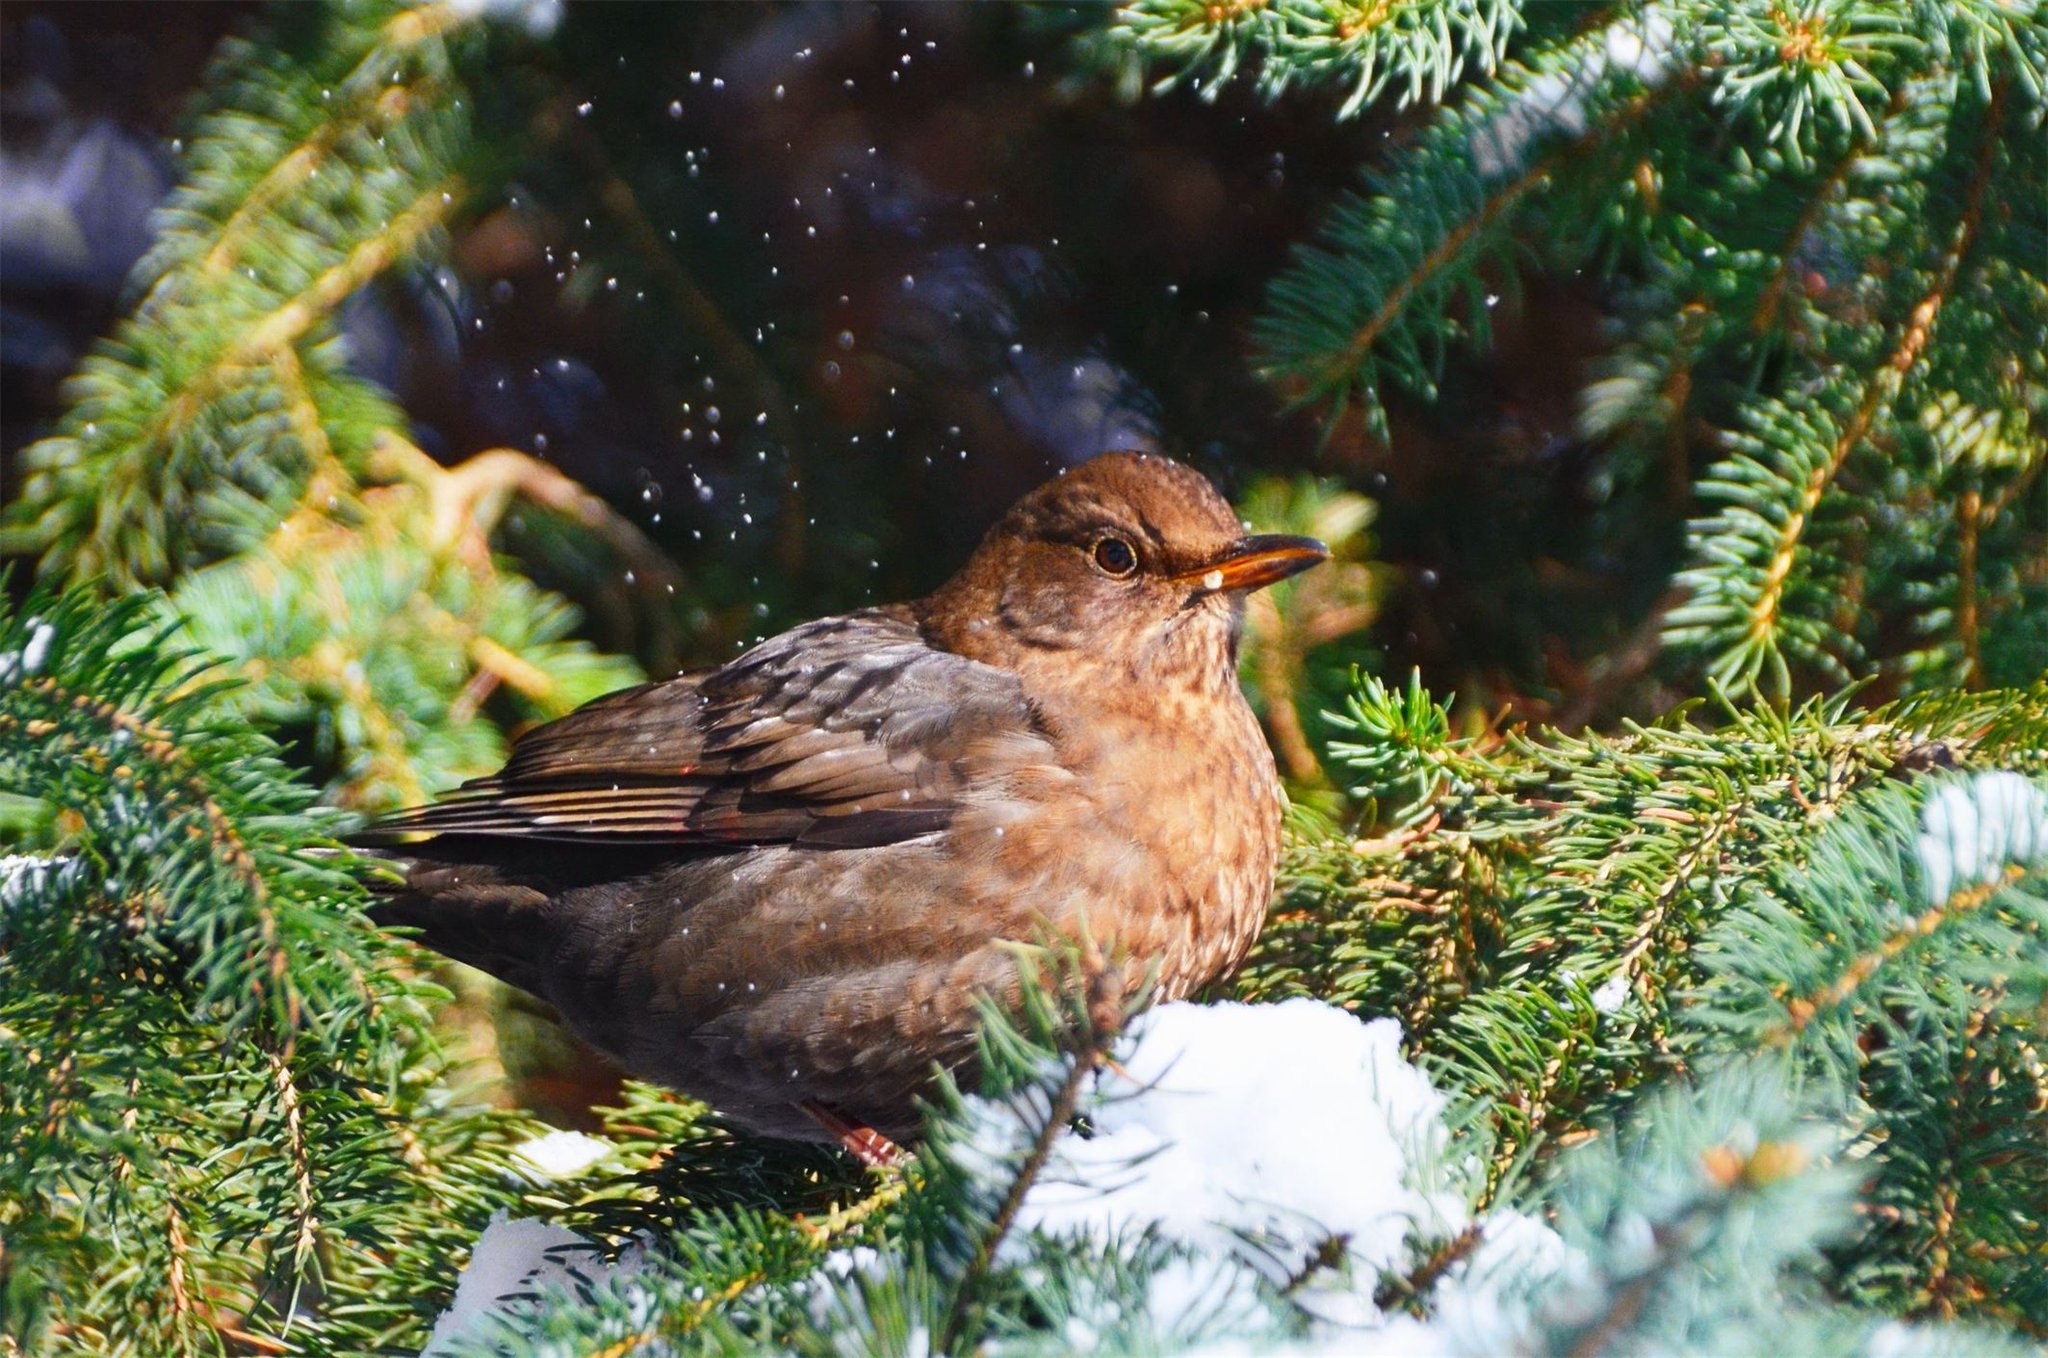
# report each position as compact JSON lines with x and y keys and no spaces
{"x":1157,"y":829}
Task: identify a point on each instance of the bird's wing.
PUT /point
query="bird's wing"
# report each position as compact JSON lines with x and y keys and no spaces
{"x":846,"y":732}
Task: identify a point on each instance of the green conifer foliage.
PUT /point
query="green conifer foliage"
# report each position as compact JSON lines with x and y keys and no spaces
{"x":224,"y":1113}
{"x":1740,"y":1012}
{"x":1820,"y":229}
{"x":220,"y":444}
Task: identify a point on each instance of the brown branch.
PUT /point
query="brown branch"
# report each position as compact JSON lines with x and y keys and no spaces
{"x":1803,"y":1010}
{"x":302,"y":1170}
{"x":1969,"y":510}
{"x":1277,"y":663}
{"x":1809,"y":215}
{"x":1061,"y":1111}
{"x":1537,"y":1104}
{"x":390,"y":105}
{"x":1628,"y":1304}
{"x":182,"y":1310}
{"x":468,"y":500}
{"x":1497,"y":204}
{"x":289,"y":322}
{"x":1883,"y":385}
{"x":370,"y":257}
{"x":1417,"y":1281}
{"x":1682,"y":872}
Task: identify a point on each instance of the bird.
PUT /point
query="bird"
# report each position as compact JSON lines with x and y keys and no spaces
{"x":784,"y":885}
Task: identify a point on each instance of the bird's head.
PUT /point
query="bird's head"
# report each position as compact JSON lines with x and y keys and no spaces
{"x":1130,"y":558}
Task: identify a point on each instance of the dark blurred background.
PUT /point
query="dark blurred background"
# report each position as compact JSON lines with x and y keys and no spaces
{"x":812,"y":291}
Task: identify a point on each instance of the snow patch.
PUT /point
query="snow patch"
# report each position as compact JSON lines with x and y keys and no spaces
{"x":539,"y":18}
{"x":562,"y":1155}
{"x":513,"y":1262}
{"x":22,"y":875}
{"x":1256,"y":1135}
{"x":1971,"y":831}
{"x":34,"y":654}
{"x":1640,"y":45}
{"x":1612,"y":993}
{"x":1234,"y":1115}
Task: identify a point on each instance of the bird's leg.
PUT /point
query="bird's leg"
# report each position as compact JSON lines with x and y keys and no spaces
{"x":863,"y":1143}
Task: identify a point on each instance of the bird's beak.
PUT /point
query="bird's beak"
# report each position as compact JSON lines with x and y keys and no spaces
{"x":1255,"y":562}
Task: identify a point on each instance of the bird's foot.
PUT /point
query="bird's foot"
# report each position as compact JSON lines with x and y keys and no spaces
{"x":862,"y":1142}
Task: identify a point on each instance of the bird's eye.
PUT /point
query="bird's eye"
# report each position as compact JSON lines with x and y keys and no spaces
{"x":1115,"y":556}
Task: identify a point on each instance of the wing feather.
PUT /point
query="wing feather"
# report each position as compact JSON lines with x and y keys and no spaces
{"x":848,"y":732}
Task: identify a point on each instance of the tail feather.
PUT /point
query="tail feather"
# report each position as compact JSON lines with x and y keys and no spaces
{"x":470,"y":913}
{"x":495,"y":903}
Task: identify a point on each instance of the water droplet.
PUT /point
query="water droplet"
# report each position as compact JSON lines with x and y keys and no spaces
{"x":675,"y":108}
{"x":831,"y":372}
{"x":583,"y":109}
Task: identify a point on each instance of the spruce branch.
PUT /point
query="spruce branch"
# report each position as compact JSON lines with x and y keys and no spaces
{"x":313,"y":174}
{"x":1349,"y":306}
{"x":1857,"y":971}
{"x":1803,"y":63}
{"x":1747,"y":556}
{"x":1415,"y":48}
{"x":200,"y":1034}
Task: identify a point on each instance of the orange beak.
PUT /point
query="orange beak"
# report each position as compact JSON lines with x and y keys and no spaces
{"x":1256,"y":562}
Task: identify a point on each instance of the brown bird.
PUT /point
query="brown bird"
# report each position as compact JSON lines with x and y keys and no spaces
{"x":779,"y":885}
